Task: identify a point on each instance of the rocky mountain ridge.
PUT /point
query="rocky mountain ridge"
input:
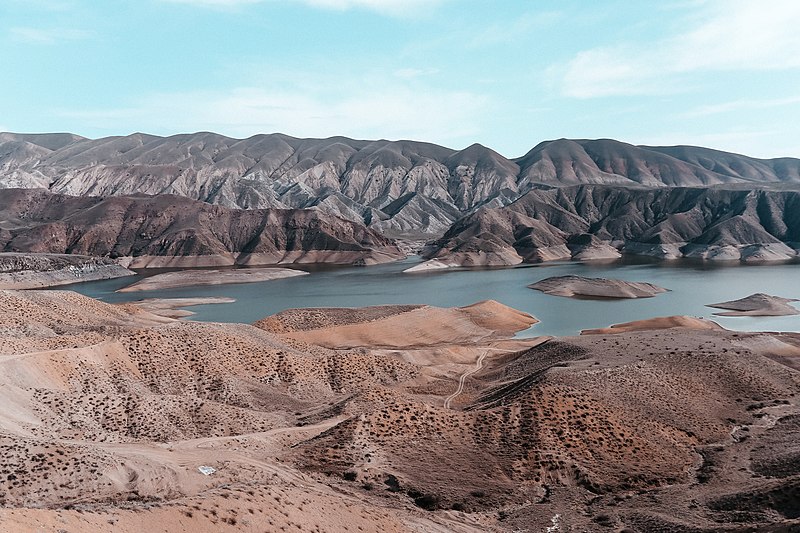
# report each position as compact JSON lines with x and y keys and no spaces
{"x":399,"y":188}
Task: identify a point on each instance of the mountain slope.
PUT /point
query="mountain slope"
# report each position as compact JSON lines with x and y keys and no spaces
{"x":175,"y":231}
{"x":593,"y":220}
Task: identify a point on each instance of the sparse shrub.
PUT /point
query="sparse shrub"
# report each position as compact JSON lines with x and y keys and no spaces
{"x":393,"y":483}
{"x":429,"y":502}
{"x":604,"y":520}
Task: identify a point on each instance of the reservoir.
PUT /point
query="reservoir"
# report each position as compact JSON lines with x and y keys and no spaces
{"x":691,"y":286}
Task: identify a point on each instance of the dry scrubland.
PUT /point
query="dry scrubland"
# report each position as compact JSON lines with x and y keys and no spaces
{"x":335,"y":420}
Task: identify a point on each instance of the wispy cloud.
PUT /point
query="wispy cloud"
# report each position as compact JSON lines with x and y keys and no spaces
{"x":387,"y":7}
{"x":617,"y":71}
{"x":752,"y":142}
{"x":512,"y":30}
{"x":410,"y":73}
{"x":725,"y":35}
{"x":392,"y":7}
{"x":744,"y":104}
{"x":47,"y":35}
{"x":215,"y":3}
{"x":388,"y":111}
{"x":46,"y":5}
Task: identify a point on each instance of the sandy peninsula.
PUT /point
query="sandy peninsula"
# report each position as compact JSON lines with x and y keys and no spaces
{"x":581,"y":287}
{"x":190,"y":278}
{"x":174,"y":307}
{"x":650,"y":324}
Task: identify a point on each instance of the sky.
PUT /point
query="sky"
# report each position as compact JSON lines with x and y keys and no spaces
{"x":507,"y":73}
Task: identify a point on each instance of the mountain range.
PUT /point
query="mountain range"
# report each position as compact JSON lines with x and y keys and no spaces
{"x":205,"y":199}
{"x":400,"y":188}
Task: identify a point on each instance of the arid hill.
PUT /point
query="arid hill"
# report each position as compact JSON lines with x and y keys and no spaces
{"x":396,"y":187}
{"x":398,"y":326}
{"x":627,"y":431}
{"x":587,"y":221}
{"x":176,"y":231}
{"x":109,"y":413}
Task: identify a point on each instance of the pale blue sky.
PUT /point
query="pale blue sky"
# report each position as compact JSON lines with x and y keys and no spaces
{"x":507,"y":74}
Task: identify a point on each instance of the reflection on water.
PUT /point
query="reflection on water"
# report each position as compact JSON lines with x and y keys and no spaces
{"x":691,"y":284}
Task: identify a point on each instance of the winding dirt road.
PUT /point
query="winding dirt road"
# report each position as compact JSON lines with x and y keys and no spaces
{"x":479,"y":365}
{"x":463,"y":378}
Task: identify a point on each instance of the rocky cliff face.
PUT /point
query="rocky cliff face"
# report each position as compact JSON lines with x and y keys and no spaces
{"x":176,"y":231}
{"x":593,"y":221}
{"x":396,"y":187}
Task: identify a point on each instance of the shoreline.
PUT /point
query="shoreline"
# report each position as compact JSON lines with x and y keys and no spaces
{"x":745,"y":254}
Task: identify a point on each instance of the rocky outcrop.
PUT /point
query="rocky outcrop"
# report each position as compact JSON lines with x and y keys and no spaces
{"x":581,"y":287}
{"x":594,"y":220}
{"x":170,"y":230}
{"x":398,"y":187}
{"x":33,"y":271}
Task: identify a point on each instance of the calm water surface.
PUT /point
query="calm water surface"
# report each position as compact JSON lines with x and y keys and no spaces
{"x":691,"y":284}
